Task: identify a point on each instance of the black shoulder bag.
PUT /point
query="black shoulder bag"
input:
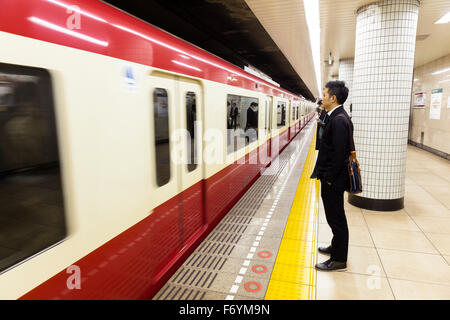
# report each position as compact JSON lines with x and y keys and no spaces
{"x":353,"y":164}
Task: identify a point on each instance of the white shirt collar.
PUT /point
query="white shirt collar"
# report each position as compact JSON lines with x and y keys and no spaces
{"x":331,"y":111}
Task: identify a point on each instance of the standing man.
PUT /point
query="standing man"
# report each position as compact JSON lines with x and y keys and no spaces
{"x":331,"y":169}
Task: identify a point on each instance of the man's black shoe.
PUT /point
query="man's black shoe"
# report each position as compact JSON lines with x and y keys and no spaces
{"x":330,"y":265}
{"x":325,"y":250}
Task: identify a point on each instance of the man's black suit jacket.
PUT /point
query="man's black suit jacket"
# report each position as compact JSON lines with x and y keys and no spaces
{"x":334,"y":151}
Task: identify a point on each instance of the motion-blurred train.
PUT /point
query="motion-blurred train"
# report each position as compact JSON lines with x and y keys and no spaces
{"x":94,"y":106}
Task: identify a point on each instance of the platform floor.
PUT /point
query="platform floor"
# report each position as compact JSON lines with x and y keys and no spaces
{"x":237,"y":259}
{"x":266,"y":246}
{"x":403,"y":254}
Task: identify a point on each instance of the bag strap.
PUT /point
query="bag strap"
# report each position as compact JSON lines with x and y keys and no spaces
{"x":350,"y":132}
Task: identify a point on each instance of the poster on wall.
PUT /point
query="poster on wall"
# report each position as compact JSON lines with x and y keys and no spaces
{"x":436,"y":103}
{"x":419,"y":100}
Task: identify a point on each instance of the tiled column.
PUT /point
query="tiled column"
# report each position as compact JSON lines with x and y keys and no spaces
{"x":382,"y":80}
{"x":346,"y":75}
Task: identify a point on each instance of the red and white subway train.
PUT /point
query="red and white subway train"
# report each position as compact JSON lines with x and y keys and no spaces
{"x":95,"y":107}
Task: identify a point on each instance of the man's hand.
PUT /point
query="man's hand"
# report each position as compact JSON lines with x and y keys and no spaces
{"x":328,"y":183}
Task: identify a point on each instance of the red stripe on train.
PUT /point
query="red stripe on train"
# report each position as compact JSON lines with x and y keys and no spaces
{"x":136,"y":263}
{"x":107,"y":31}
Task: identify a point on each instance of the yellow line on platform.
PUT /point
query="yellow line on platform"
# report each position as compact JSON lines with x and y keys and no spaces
{"x":293,"y":276}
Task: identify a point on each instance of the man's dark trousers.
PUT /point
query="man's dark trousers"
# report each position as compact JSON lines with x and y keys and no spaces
{"x":333,"y":202}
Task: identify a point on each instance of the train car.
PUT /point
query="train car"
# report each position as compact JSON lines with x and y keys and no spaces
{"x":118,"y":151}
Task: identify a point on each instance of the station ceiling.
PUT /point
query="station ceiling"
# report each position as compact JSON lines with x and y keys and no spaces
{"x":228,"y":29}
{"x":338,"y":32}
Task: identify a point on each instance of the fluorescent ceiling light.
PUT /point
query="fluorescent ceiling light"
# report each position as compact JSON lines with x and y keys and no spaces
{"x":441,"y":71}
{"x":444,"y":19}
{"x":313,"y":21}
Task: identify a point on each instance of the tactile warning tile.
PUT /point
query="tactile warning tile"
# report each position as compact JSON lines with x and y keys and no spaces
{"x":293,"y":276}
{"x":299,"y":259}
{"x":294,"y":234}
{"x":295,"y":245}
{"x":282,"y":290}
{"x":291,"y":273}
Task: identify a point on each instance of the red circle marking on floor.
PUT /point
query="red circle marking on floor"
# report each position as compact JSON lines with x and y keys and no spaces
{"x":264,"y":254}
{"x":257,"y":268}
{"x":252,"y":283}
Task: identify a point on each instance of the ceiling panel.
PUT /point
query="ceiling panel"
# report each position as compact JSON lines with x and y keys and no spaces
{"x":338,"y":28}
{"x":284,"y":21}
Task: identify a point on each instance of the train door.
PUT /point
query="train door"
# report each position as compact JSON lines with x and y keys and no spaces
{"x":176,"y":174}
{"x":269,"y":119}
{"x":165,"y":229}
{"x":190,"y":117}
{"x":291,"y":107}
{"x":264,"y":139}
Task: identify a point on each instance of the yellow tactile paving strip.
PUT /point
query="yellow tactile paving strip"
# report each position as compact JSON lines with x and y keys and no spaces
{"x":293,"y":276}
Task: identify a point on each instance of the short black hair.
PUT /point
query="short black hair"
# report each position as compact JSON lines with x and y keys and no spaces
{"x":338,"y":89}
{"x":253,"y":104}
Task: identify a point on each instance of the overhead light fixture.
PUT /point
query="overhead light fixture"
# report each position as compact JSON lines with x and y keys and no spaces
{"x":441,"y":71}
{"x":444,"y":19}
{"x":313,"y":22}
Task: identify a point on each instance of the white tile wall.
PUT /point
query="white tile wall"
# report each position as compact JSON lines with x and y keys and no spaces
{"x":382,"y":81}
{"x":346,"y":74}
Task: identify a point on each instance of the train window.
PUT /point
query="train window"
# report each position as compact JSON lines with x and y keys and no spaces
{"x":296,"y":112}
{"x":293,"y":112}
{"x":32,"y":215}
{"x":281,"y":114}
{"x":267,"y":117}
{"x":270,"y":113}
{"x":191,"y":118}
{"x":242,"y":121}
{"x":161,"y":125}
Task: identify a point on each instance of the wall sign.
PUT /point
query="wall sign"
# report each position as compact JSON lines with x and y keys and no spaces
{"x":419,"y":100}
{"x":436,"y":103}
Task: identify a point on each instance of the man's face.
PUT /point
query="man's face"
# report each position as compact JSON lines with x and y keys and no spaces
{"x":327,"y":101}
